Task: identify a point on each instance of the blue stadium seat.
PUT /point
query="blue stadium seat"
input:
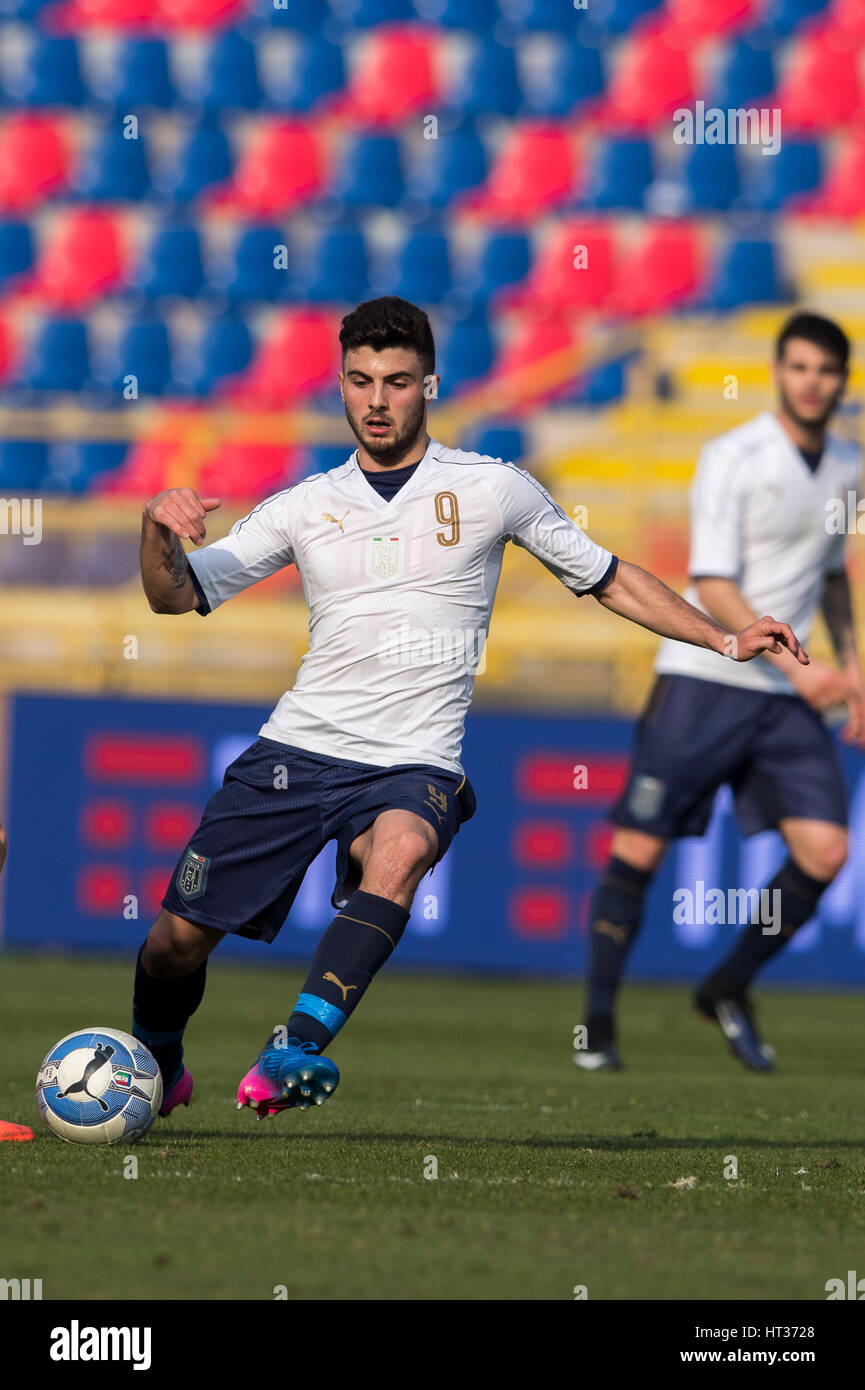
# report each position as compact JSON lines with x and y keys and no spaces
{"x":622,"y":172}
{"x":144,"y":352}
{"x":746,"y":72}
{"x":172,"y":263}
{"x":490,"y":82}
{"x":479,"y":16}
{"x":785,"y":16}
{"x":550,"y":15}
{"x":16,"y":249}
{"x":58,"y":358}
{"x":299,"y":15}
{"x":620,"y":16}
{"x":23,"y":464}
{"x":201,"y":160}
{"x":421,"y":269}
{"x":319,"y":71}
{"x":711,"y":177}
{"x":796,"y":168}
{"x":224,"y":349}
{"x":113,"y":167}
{"x":505,"y":259}
{"x":748,"y":273}
{"x":363,"y":14}
{"x":138,"y":77}
{"x":468,"y":353}
{"x":455,"y":162}
{"x":497,"y":438}
{"x":50,"y":74}
{"x":248,"y":274}
{"x":337,"y":268}
{"x":575,"y":75}
{"x":229,"y":80}
{"x":74,"y":463}
{"x":23,"y":10}
{"x":370,"y":172}
{"x":318,"y":458}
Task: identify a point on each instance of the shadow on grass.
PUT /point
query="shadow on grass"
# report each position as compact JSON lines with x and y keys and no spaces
{"x":622,"y":1144}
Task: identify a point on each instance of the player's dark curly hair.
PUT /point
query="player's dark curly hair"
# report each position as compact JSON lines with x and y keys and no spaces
{"x":390,"y":322}
{"x":814,"y":329}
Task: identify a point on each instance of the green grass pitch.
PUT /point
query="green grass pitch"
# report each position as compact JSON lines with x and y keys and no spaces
{"x":548,"y":1179}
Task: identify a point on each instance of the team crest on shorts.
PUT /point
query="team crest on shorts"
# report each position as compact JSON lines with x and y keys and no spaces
{"x":646,"y":795}
{"x":384,"y":557}
{"x":192,"y":875}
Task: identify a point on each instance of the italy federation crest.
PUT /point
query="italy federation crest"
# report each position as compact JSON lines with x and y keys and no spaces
{"x":384,"y":557}
{"x":192,"y":875}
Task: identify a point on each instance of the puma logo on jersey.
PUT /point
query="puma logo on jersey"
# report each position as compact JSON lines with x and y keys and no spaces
{"x":345,"y":988}
{"x":337,"y":520}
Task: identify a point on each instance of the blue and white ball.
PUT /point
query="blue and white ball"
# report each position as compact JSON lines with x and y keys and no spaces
{"x":99,"y":1086}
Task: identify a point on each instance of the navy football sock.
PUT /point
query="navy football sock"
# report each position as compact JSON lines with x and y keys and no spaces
{"x":353,"y":948}
{"x":161,"y":1009}
{"x":617,"y":909}
{"x":800,"y":894}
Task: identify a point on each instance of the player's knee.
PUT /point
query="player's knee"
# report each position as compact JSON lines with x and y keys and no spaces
{"x":414,"y":850}
{"x":639,"y":850}
{"x":825,"y":856}
{"x":175,"y":946}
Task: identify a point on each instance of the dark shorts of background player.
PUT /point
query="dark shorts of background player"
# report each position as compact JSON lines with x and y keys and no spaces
{"x":276,"y":809}
{"x":773,"y":751}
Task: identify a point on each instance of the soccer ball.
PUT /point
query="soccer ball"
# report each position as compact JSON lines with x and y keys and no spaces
{"x":99,"y":1086}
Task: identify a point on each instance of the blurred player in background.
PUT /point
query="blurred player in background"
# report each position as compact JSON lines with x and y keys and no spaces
{"x":763,"y":538}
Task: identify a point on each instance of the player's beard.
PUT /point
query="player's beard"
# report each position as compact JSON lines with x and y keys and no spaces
{"x":814,"y":422}
{"x":396,"y":445}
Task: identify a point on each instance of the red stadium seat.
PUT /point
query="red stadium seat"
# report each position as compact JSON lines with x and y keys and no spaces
{"x":282,"y":166}
{"x":651,"y":79}
{"x":34,"y":161}
{"x":535,"y":169}
{"x":843,"y":193}
{"x":847,"y":17}
{"x":198,"y":14}
{"x":395,"y":78}
{"x":239,"y":469}
{"x":82,"y":259}
{"x":537,"y":354}
{"x":573,"y":270}
{"x":697,"y":18}
{"x":298,"y":356}
{"x":7,"y":350}
{"x":145,"y":470}
{"x":664,"y":270}
{"x":820,"y":89}
{"x":77,"y":15}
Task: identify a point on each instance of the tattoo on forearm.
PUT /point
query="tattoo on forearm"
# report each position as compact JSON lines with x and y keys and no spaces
{"x":838,"y":616}
{"x":174,"y":561}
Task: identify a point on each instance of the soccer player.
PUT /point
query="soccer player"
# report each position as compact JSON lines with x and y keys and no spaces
{"x":399,"y":550}
{"x":764,"y":535}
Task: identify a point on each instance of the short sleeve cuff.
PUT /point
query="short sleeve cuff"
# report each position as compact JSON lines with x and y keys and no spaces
{"x":204,"y":608}
{"x":604,"y":579}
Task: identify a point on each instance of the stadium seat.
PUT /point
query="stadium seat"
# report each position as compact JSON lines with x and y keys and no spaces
{"x":747,"y":273}
{"x":7,"y":351}
{"x":467,"y":354}
{"x":622,"y":171}
{"x":336,"y":268}
{"x":539,"y":348}
{"x":621,"y":16}
{"x":498,"y":439}
{"x":696,"y":19}
{"x":489,"y":84}
{"x":369,"y":172}
{"x":847,"y":17}
{"x":50,"y":74}
{"x":58,"y":358}
{"x":452,"y":164}
{"x":420,"y":270}
{"x":503,"y":262}
{"x":548,"y":15}
{"x":23,"y":464}
{"x":201,"y":160}
{"x":197,"y":15}
{"x":144,"y":470}
{"x":297,"y":15}
{"x":820,"y":89}
{"x":229,"y":76}
{"x":320,"y":458}
{"x":282,"y":167}
{"x":113,"y":168}
{"x":223,"y":351}
{"x":574,"y":268}
{"x":784,"y":177}
{"x":79,"y":16}
{"x":34,"y":161}
{"x":16,"y":255}
{"x":651,"y":79}
{"x":367,"y":14}
{"x":138,"y":77}
{"x":843,"y":192}
{"x":573,"y":81}
{"x":247,"y":273}
{"x":664,"y":271}
{"x":394,"y":80}
{"x":83,"y":258}
{"x":240,"y":469}
{"x":477,"y":16}
{"x":141,"y":360}
{"x":536,"y":168}
{"x":172,"y":263}
{"x":318,"y":75}
{"x":711,"y":178}
{"x":73,"y":464}
{"x":783,"y":17}
{"x":297,"y":356}
{"x":745,"y":75}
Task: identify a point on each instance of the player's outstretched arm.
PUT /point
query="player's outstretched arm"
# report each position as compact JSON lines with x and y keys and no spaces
{"x":636,"y":594}
{"x":168,"y":517}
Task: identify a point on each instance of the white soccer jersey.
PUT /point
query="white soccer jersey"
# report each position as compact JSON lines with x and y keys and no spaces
{"x":761,"y":517}
{"x":399,"y":595}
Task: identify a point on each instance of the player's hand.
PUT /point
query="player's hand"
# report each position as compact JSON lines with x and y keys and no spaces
{"x":182,"y":511}
{"x":765,"y":635}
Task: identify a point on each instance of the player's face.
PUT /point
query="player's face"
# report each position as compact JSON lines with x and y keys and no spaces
{"x":810,"y":382}
{"x":385,"y":406}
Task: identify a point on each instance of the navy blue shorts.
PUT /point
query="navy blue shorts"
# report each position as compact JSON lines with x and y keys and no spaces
{"x":774,"y":752}
{"x":276,"y":809}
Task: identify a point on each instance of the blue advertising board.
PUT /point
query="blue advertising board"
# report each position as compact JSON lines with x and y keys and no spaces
{"x":104,"y":793}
